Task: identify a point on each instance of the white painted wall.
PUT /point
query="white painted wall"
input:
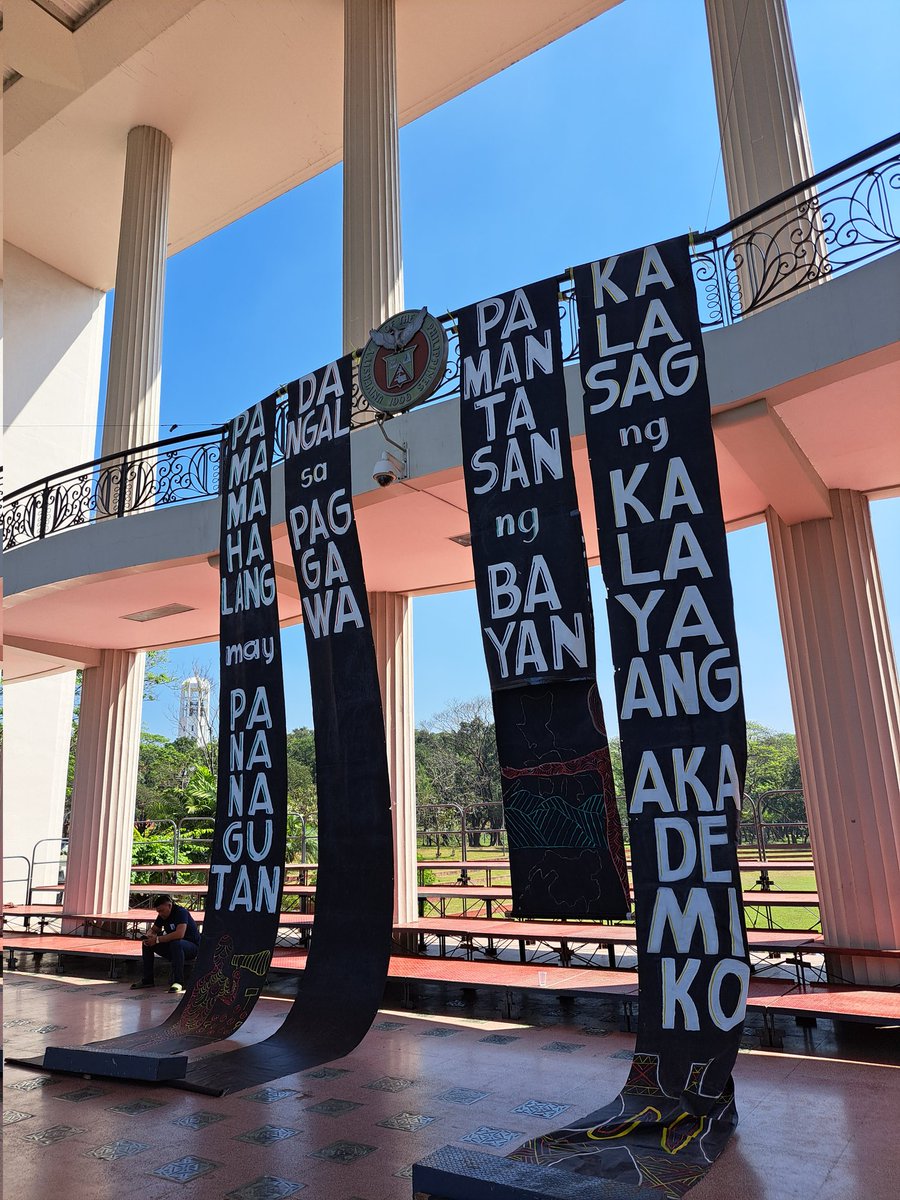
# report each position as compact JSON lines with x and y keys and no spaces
{"x":51,"y":387}
{"x":51,"y":375}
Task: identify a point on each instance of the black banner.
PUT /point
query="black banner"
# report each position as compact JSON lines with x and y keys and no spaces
{"x":343,"y":983}
{"x":565,"y":842}
{"x":246,"y":877}
{"x":681,"y":719}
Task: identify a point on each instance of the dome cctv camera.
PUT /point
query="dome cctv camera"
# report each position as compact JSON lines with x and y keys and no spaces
{"x":387,"y":470}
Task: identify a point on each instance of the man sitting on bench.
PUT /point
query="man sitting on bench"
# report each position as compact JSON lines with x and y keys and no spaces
{"x":175,"y":936}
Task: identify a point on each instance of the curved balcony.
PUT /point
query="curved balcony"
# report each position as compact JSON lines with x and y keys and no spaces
{"x":825,"y":226}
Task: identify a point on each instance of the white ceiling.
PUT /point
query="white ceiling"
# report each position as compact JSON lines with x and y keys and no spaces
{"x":250,"y":93}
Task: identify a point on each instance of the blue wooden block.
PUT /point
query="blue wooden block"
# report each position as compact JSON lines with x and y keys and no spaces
{"x":116,"y":1064}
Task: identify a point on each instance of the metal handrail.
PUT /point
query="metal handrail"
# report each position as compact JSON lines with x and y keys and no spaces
{"x":739,"y":268}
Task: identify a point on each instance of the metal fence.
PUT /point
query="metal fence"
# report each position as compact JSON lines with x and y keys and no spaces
{"x":836,"y":220}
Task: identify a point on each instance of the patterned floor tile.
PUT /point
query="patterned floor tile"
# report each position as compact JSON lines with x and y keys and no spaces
{"x":12,"y":1116}
{"x":134,"y":1108}
{"x":185,"y":1170}
{"x":404,"y":1172}
{"x":326,"y":1073}
{"x":541,"y":1108}
{"x":595,"y":1030}
{"x":269,"y":1095}
{"x":332,"y":1107}
{"x":118,"y":1149}
{"x":387,"y":1026}
{"x":627,"y":1055}
{"x":267,"y":1134}
{"x":407,"y":1121}
{"x":49,"y":1028}
{"x":199,"y":1120}
{"x":486,"y":1135}
{"x":82,"y":1094}
{"x":389,"y":1083}
{"x":442,"y":1031}
{"x":499,"y":1039}
{"x":563,"y":1047}
{"x":16,"y":1023}
{"x":55,"y":1133}
{"x":32,"y":1085}
{"x":462,"y":1096}
{"x":343,"y":1152}
{"x":267,"y":1187}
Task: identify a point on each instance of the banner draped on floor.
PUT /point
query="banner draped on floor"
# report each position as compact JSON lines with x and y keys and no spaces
{"x":341,"y":988}
{"x":563,"y":829}
{"x":681,"y":720}
{"x":243,"y":904}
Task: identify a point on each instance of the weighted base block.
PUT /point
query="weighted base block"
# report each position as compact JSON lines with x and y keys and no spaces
{"x":115,"y":1064}
{"x":456,"y":1174}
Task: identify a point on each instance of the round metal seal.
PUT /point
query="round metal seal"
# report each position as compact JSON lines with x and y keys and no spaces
{"x":403,"y":361}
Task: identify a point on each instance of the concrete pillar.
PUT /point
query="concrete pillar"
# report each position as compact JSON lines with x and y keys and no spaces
{"x":373,"y":291}
{"x":102,"y":819}
{"x":131,"y":417}
{"x":373,"y":263}
{"x":846,"y":701}
{"x":392,"y":629}
{"x":765,"y":143}
{"x":109,"y":729}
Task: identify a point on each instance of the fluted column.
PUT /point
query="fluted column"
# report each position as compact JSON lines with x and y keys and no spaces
{"x":103,"y":797}
{"x":109,"y":726}
{"x":131,"y":416}
{"x":373,"y":264}
{"x":373,"y":291}
{"x":846,"y":701}
{"x":765,"y":143}
{"x":392,"y":631}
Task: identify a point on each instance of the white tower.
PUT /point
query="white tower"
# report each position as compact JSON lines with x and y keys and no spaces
{"x":193,"y":712}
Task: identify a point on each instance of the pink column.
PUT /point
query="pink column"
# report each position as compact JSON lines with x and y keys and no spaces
{"x":846,"y":701}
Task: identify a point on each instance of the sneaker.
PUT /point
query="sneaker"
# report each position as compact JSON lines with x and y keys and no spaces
{"x":144,"y":983}
{"x":178,"y":988}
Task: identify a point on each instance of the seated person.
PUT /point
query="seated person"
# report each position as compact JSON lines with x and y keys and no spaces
{"x":173,"y":935}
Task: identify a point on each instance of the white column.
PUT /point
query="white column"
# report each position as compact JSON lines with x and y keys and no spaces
{"x":373,"y":291}
{"x":846,"y":702}
{"x":373,"y":264}
{"x":109,"y":728}
{"x":131,"y":417}
{"x":392,"y":628}
{"x":765,"y":145}
{"x":102,"y":820}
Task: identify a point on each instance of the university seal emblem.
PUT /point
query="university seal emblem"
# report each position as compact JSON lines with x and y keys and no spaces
{"x":403,"y":361}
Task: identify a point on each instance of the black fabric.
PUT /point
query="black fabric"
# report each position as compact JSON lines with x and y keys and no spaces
{"x":243,"y":903}
{"x":339,"y":991}
{"x":563,"y":828}
{"x":681,"y":720}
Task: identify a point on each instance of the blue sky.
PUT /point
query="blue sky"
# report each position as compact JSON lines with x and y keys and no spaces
{"x":603,"y":141}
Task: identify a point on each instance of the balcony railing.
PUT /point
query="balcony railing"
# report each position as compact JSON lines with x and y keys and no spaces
{"x":828,"y":224}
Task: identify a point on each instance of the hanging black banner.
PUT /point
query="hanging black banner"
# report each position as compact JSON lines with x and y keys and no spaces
{"x":565,"y":843}
{"x":343,"y":983}
{"x":243,"y":904}
{"x":681,"y":720}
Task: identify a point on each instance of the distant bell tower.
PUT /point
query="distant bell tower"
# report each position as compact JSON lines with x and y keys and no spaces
{"x":193,"y":712}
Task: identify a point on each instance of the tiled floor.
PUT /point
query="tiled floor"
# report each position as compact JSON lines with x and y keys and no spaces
{"x":812,"y":1127}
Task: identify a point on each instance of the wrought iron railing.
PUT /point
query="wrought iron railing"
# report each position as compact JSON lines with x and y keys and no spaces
{"x":826,"y":225}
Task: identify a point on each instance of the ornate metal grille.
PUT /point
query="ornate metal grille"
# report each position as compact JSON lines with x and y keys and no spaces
{"x":828,"y":224}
